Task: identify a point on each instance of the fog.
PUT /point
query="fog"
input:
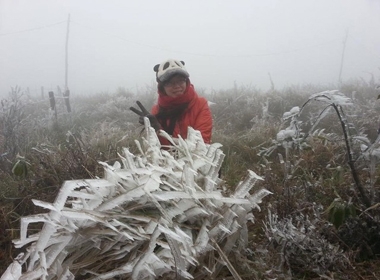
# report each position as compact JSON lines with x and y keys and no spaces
{"x":116,"y":43}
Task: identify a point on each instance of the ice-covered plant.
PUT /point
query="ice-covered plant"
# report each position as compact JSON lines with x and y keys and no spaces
{"x":294,"y":137}
{"x":159,"y":213}
{"x":351,"y":150}
{"x":300,"y":245}
{"x":11,"y":117}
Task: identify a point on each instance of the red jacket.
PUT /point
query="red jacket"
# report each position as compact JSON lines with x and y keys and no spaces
{"x":197,"y":115}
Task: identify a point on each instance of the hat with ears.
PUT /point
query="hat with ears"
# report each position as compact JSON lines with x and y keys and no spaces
{"x":169,"y":68}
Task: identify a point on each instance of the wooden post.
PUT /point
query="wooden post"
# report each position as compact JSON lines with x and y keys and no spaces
{"x":342,"y":60}
{"x":271,"y":82}
{"x":52,"y":103}
{"x":66,"y":95}
{"x":67,"y":56}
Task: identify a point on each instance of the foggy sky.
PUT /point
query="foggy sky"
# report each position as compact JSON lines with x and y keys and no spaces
{"x":116,"y":43}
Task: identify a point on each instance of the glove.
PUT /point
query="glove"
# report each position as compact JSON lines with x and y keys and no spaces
{"x":145,"y":113}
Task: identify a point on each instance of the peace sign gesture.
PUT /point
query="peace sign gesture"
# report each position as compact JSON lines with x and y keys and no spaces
{"x":145,"y":113}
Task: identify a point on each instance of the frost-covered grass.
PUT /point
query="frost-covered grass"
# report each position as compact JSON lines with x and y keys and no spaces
{"x":304,"y":181}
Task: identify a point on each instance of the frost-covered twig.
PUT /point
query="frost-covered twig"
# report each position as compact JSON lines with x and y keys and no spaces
{"x":293,"y":137}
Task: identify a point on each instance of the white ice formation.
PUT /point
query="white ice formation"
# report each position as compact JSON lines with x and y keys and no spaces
{"x":161,"y":213}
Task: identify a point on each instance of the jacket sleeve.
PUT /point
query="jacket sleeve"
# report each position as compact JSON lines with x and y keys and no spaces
{"x":203,"y":121}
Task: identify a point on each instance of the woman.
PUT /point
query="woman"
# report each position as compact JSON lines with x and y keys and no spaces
{"x":178,"y":105}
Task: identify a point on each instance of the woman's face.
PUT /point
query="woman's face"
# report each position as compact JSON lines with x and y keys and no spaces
{"x":176,"y":86}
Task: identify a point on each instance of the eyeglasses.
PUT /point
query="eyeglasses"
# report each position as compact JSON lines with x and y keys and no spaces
{"x":179,"y":82}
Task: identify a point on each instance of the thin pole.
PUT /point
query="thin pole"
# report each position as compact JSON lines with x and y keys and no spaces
{"x":67,"y":56}
{"x":342,"y":60}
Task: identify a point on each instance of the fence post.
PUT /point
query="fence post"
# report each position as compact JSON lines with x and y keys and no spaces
{"x":66,"y":95}
{"x":52,"y":103}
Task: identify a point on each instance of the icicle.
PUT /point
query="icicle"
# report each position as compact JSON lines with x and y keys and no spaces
{"x":140,"y":264}
{"x":128,"y":159}
{"x":244,"y":187}
{"x":13,"y":272}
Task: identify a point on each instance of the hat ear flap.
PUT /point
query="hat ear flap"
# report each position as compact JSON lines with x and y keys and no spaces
{"x":183,"y":62}
{"x":155,"y":68}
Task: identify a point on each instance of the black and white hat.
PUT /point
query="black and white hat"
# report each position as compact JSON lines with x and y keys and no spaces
{"x":169,"y":68}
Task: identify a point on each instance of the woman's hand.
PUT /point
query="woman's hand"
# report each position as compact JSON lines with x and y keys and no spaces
{"x":144,"y":113}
